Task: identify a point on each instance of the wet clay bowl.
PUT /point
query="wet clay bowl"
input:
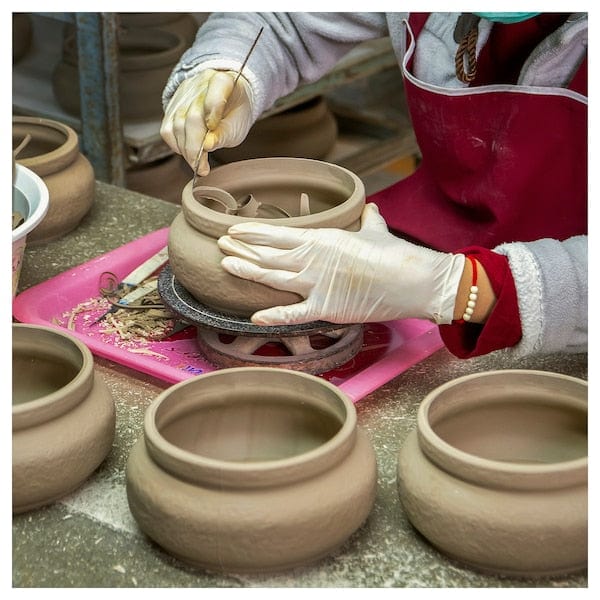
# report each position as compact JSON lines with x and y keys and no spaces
{"x":63,"y":416}
{"x":495,"y":474}
{"x":53,"y":154}
{"x":308,"y":130}
{"x":181,"y":23}
{"x":336,"y":198}
{"x":163,"y":178}
{"x":251,"y":469}
{"x":146,"y":57}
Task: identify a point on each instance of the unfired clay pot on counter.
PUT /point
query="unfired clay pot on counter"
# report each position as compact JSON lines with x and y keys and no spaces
{"x":308,"y":130}
{"x":251,"y":469}
{"x":180,"y":23}
{"x":495,"y":475}
{"x":53,"y":154}
{"x":63,"y":416}
{"x":163,"y":178}
{"x":146,"y":58}
{"x":335,"y":196}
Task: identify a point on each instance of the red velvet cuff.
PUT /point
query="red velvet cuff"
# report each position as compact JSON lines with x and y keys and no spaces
{"x":503,"y":327}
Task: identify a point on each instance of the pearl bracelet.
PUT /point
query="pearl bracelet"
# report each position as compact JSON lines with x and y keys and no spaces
{"x":473,"y":293}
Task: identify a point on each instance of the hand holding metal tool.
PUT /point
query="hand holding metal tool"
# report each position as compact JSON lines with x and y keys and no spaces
{"x":209,"y":110}
{"x":235,"y":81}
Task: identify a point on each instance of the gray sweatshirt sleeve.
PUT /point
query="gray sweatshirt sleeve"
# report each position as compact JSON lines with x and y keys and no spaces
{"x":294,"y":48}
{"x":552,"y":289}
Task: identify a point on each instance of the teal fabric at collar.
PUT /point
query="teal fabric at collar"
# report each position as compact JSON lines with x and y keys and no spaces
{"x":506,"y":17}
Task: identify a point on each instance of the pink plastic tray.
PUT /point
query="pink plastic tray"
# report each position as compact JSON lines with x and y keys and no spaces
{"x":388,"y":348}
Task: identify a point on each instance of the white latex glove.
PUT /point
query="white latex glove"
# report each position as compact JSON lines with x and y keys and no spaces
{"x":206,"y":104}
{"x":344,"y":277}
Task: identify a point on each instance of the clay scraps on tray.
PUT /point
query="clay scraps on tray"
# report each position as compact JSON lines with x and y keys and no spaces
{"x":130,"y":327}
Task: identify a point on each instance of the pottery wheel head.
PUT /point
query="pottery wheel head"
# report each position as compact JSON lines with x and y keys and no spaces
{"x":189,"y":309}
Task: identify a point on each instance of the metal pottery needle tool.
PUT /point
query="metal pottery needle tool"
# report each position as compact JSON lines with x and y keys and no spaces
{"x":238,"y":75}
{"x":133,"y":281}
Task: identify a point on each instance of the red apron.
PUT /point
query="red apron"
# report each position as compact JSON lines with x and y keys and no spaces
{"x":501,"y":163}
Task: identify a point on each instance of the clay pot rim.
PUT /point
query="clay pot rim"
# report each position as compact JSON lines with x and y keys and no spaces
{"x":151,"y":20}
{"x":249,"y":474}
{"x":52,"y":405}
{"x":314,"y":107}
{"x":170,"y":47}
{"x":174,"y":47}
{"x":55,"y":157}
{"x":492,"y":472}
{"x":199,"y":214}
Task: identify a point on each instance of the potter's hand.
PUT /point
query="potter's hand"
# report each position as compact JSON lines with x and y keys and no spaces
{"x":344,"y":277}
{"x":207,"y":104}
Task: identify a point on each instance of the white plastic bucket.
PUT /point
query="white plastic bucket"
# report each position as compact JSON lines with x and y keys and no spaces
{"x":29,"y":197}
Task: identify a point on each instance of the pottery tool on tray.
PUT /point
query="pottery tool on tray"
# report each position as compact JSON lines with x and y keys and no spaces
{"x":238,"y":75}
{"x":133,"y":280}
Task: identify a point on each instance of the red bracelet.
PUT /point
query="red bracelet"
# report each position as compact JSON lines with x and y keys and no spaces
{"x":473,"y":292}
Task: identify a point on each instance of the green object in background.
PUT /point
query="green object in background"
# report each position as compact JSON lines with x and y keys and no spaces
{"x":506,"y":17}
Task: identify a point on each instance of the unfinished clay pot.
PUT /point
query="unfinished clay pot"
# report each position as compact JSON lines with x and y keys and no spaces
{"x":251,"y":469}
{"x":146,"y":58}
{"x":164,"y":178}
{"x":181,"y":23}
{"x":63,"y":416}
{"x":495,"y":474}
{"x":53,"y":154}
{"x":332,"y":195}
{"x":308,"y":130}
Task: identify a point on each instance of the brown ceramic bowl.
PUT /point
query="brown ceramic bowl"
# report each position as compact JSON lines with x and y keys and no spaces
{"x":495,"y":474}
{"x":63,"y":416}
{"x":336,"y":198}
{"x":308,"y":130}
{"x":53,"y":154}
{"x":251,"y":469}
